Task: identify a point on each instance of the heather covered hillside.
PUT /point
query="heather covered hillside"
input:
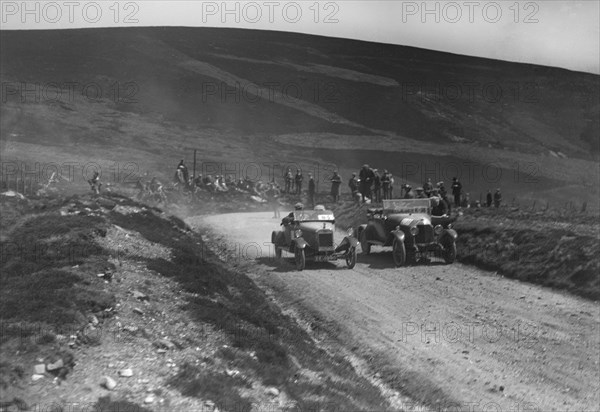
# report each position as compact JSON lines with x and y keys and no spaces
{"x":151,"y":95}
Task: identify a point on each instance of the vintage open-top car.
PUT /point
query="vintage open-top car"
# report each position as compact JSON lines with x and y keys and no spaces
{"x":408,"y":226}
{"x":308,"y":234}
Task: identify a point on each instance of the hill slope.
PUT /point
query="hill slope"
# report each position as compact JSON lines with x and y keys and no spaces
{"x":241,"y":96}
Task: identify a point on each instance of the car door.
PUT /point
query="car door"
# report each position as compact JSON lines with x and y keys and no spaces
{"x":376,"y":227}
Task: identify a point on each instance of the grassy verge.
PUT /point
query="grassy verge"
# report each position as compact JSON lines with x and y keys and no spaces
{"x":557,"y":250}
{"x":50,"y":265}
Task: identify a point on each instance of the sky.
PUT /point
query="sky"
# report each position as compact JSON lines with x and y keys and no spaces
{"x":552,"y":33}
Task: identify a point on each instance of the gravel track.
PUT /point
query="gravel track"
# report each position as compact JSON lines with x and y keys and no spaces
{"x":484,"y":340}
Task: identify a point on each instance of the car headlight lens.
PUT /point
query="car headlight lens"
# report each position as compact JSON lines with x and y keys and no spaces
{"x":438,"y":229}
{"x":297,"y":233}
{"x":351,"y":232}
{"x":414,"y":230}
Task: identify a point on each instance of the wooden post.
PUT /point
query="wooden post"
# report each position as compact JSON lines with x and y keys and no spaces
{"x":194,"y":172}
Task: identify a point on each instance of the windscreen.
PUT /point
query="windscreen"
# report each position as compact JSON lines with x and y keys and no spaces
{"x":313,"y":215}
{"x":407,"y":206}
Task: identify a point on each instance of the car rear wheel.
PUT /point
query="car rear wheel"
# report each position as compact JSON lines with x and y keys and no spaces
{"x":300,"y":258}
{"x":449,"y":253}
{"x":364,"y":244}
{"x":351,"y":257}
{"x":399,"y":253}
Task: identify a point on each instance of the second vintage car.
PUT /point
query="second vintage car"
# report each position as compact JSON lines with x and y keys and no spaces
{"x":409,"y":228}
{"x":308,"y":234}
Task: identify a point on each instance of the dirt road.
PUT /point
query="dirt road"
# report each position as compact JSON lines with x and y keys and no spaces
{"x":447,"y":331}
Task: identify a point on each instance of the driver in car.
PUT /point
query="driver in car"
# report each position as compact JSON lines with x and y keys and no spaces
{"x":290,"y":218}
{"x":438,"y":207}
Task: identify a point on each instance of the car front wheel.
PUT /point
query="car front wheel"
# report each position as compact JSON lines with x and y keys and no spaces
{"x":399,"y":253}
{"x":364,"y":244}
{"x":449,"y":253}
{"x":351,"y":257}
{"x":300,"y":259}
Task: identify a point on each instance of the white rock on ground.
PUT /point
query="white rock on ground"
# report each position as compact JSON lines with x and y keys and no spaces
{"x":126,"y":373}
{"x":109,"y":383}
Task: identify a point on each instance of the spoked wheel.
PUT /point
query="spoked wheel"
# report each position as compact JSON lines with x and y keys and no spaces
{"x":399,"y":253}
{"x":364,"y":244}
{"x":351,"y":257}
{"x":449,"y":253}
{"x":300,"y":259}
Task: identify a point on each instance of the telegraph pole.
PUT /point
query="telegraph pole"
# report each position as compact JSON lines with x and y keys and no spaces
{"x":194,"y":164}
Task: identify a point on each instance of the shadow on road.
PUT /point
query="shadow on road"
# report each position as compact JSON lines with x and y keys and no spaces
{"x":383,"y":260}
{"x":286,"y":264}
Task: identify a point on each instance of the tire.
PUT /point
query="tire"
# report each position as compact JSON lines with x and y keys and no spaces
{"x":449,"y":253}
{"x":399,"y":253}
{"x":300,"y":259}
{"x":351,"y":257}
{"x":364,"y":244}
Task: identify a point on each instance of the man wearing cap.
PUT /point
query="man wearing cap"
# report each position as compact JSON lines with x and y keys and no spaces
{"x":298,"y":180}
{"x":365,"y":177}
{"x":497,"y":198}
{"x":273,"y":196}
{"x":428,"y":187}
{"x":385,"y":184}
{"x":336,"y":182}
{"x":376,"y":186}
{"x":353,"y":185}
{"x":456,"y":191}
{"x":311,"y":190}
{"x":290,"y":218}
{"x":408,"y":193}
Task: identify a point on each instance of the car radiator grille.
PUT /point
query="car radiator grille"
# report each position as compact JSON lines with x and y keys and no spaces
{"x":326,"y":239}
{"x":425,"y":234}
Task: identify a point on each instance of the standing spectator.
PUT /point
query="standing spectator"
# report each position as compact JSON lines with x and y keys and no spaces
{"x":392,"y":186}
{"x":95,"y":183}
{"x":288,"y":178}
{"x":497,"y":198}
{"x":353,"y":185}
{"x":488,"y":199}
{"x":466,"y":200}
{"x":428,"y":187}
{"x":456,"y":191}
{"x":273,"y":196}
{"x":365,"y":177}
{"x":442,"y":189}
{"x":385,"y":183}
{"x":336,"y":183}
{"x":311,"y":190}
{"x":298,"y":180}
{"x":376,"y":186}
{"x":408,"y":193}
